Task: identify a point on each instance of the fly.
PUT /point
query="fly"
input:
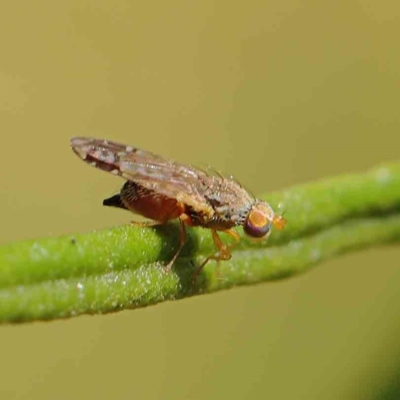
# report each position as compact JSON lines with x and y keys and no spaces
{"x":162,"y":190}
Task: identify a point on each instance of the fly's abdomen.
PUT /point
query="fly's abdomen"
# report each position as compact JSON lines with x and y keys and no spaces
{"x":150,"y":204}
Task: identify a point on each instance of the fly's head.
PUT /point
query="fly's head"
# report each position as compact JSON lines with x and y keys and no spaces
{"x":260,"y":219}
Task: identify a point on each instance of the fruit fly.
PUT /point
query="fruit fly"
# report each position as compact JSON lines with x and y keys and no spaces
{"x":162,"y":190}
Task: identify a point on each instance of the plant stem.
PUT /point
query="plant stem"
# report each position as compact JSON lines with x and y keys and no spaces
{"x":121,"y":268}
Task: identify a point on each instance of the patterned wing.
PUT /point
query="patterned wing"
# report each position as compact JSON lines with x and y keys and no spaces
{"x":153,"y":172}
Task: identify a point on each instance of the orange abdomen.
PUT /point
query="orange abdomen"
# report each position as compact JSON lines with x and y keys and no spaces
{"x":149,"y":204}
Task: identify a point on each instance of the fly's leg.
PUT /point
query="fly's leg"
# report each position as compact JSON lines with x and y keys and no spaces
{"x":234,"y":235}
{"x":224,"y":253}
{"x":146,"y":224}
{"x":183,"y":219}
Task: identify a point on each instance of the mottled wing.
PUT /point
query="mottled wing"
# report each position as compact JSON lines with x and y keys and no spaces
{"x":153,"y":172}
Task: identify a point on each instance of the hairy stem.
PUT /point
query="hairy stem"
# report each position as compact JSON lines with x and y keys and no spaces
{"x":121,"y":268}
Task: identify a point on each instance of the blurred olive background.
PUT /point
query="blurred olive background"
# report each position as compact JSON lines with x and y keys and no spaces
{"x":275,"y":93}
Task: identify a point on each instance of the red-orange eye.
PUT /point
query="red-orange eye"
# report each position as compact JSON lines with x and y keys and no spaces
{"x":257,"y":224}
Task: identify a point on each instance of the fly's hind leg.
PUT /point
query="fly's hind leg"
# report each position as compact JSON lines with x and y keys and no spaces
{"x":183,"y":219}
{"x":146,"y":224}
{"x":224,"y":253}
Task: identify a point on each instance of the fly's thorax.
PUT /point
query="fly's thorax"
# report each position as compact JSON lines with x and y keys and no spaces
{"x":226,"y":204}
{"x":228,"y":199}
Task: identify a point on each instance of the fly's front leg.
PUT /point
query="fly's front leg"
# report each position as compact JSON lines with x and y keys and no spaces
{"x":234,"y":235}
{"x":224,"y":253}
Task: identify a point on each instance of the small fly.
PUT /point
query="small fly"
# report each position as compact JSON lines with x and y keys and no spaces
{"x":162,"y":190}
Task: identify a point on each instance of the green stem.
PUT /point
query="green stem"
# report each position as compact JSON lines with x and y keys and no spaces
{"x":121,"y":268}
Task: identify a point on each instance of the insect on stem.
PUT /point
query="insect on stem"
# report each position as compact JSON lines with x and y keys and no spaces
{"x":162,"y":190}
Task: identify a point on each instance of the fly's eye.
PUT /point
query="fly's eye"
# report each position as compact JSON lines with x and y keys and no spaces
{"x":257,"y":224}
